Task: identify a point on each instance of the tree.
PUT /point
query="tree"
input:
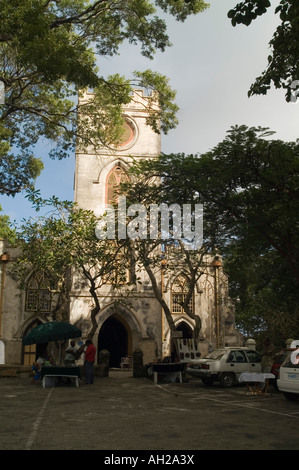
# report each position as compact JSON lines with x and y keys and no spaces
{"x":48,"y":54}
{"x":6,"y":230}
{"x":248,"y":185}
{"x":267,"y":295}
{"x":163,"y":251}
{"x":283,"y":64}
{"x":148,"y":255}
{"x":251,"y":186}
{"x":63,"y":243}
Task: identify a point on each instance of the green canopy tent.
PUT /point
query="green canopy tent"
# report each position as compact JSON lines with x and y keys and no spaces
{"x":52,"y":331}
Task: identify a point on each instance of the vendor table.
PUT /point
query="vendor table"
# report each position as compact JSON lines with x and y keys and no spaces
{"x":70,"y":372}
{"x":257,"y":383}
{"x":173,"y":369}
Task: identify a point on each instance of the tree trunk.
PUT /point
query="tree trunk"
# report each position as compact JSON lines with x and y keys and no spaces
{"x":159,"y":297}
{"x":96,"y":309}
{"x":62,"y":310}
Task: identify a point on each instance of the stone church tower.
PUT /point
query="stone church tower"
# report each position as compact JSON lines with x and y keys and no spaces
{"x":140,"y":323}
{"x":97,"y":173}
{"x":131,"y":318}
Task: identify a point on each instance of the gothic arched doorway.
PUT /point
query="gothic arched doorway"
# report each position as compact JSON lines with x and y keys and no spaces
{"x":113,"y":336}
{"x":186,"y":333}
{"x":185,"y":329}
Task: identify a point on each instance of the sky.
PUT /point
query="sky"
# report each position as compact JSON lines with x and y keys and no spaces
{"x":211,"y":65}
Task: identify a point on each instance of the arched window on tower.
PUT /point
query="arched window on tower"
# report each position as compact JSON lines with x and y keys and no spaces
{"x":121,"y":274}
{"x":115,"y":178}
{"x":179,"y":291}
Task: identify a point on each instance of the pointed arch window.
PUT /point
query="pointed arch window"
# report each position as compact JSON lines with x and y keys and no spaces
{"x":38,"y":293}
{"x":115,"y":178}
{"x":179,"y":291}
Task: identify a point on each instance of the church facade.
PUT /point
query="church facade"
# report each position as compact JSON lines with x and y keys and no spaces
{"x":130,"y":319}
{"x":140,"y":323}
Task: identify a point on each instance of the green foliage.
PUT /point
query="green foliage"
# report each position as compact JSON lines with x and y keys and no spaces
{"x":6,"y":230}
{"x":65,"y":239}
{"x":181,"y":9}
{"x":49,"y":51}
{"x":163,"y":118}
{"x":248,"y":185}
{"x":154,"y":182}
{"x":247,"y":11}
{"x":267,"y":293}
{"x":255,"y":181}
{"x":61,"y":239}
{"x":283,"y":62}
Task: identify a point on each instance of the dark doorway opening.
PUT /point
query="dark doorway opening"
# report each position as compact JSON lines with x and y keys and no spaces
{"x":113,"y":336}
{"x":185,"y":329}
{"x":186,"y":334}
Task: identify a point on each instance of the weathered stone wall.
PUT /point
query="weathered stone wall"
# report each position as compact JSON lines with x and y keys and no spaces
{"x":135,"y":306}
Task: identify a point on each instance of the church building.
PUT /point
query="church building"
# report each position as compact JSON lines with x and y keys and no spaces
{"x":141,"y":324}
{"x":132,"y":319}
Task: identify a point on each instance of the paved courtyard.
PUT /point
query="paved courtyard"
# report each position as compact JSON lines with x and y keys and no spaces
{"x":123,"y":413}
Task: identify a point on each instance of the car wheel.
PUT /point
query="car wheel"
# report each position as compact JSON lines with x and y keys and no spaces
{"x":291,"y":396}
{"x":207,"y":381}
{"x":227,"y":380}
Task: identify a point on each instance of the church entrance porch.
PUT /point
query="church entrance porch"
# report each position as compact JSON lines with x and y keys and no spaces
{"x":114,"y":336}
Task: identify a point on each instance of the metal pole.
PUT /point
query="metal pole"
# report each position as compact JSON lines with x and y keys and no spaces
{"x":4,"y":258}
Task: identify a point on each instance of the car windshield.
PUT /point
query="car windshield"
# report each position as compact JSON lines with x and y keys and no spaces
{"x":292,"y":360}
{"x":217,"y":354}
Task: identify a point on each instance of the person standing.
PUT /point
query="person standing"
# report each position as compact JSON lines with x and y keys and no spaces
{"x":70,"y":356}
{"x":90,"y":354}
